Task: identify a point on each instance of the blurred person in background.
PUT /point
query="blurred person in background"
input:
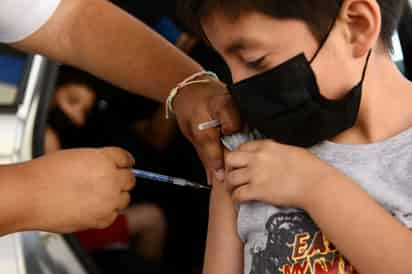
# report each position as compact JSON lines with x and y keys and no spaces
{"x":143,"y":225}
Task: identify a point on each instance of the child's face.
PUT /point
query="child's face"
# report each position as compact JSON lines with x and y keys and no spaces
{"x":254,"y":43}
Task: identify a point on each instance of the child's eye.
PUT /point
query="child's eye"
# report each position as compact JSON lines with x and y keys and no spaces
{"x":258,"y":63}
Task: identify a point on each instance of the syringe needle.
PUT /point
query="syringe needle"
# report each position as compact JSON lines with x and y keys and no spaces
{"x":166,"y":179}
{"x":183,"y":182}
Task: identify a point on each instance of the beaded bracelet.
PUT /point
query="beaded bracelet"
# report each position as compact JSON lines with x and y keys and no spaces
{"x":191,"y":80}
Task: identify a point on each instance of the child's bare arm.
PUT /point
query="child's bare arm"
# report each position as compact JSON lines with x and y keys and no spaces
{"x":369,"y":237}
{"x":224,"y":250}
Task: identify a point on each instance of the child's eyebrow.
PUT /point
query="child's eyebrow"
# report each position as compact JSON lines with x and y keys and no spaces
{"x":236,"y":46}
{"x":239,"y":44}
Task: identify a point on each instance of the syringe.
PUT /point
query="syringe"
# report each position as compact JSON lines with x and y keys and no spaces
{"x":166,"y":179}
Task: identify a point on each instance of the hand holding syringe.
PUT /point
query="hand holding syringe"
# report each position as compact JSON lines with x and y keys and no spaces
{"x":166,"y":179}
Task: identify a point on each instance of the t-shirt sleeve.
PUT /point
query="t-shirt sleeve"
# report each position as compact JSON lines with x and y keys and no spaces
{"x":406,"y":219}
{"x":21,"y":18}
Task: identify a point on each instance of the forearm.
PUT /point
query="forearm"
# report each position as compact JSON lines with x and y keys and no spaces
{"x":100,"y":38}
{"x":15,"y":199}
{"x":367,"y":235}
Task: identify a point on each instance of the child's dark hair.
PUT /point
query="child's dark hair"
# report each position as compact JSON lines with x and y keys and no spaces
{"x":318,"y":14}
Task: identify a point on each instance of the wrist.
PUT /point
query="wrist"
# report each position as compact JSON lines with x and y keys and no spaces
{"x":198,"y":93}
{"x":199,"y":78}
{"x":317,"y":185}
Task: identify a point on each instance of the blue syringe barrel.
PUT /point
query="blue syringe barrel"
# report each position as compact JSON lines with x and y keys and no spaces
{"x":152,"y":176}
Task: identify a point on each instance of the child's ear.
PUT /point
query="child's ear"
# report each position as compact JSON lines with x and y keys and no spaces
{"x":362,"y":24}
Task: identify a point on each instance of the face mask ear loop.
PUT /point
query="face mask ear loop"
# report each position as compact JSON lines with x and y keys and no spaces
{"x":325,"y":39}
{"x":365,"y":67}
{"x":322,"y":43}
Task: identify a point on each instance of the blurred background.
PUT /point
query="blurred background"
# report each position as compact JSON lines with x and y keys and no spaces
{"x":164,"y":230}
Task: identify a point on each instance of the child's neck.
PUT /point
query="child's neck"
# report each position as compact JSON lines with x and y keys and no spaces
{"x":386,"y":108}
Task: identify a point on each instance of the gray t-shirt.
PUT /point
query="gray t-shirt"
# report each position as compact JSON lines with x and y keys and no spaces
{"x":287,"y":241}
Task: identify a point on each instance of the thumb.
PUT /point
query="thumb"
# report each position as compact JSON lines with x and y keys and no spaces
{"x":211,"y":154}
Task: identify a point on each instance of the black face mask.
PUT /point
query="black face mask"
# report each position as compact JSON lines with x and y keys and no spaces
{"x":285,"y":104}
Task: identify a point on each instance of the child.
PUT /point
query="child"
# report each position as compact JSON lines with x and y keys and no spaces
{"x":312,"y":74}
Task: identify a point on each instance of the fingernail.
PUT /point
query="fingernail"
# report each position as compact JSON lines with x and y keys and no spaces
{"x":220,"y":175}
